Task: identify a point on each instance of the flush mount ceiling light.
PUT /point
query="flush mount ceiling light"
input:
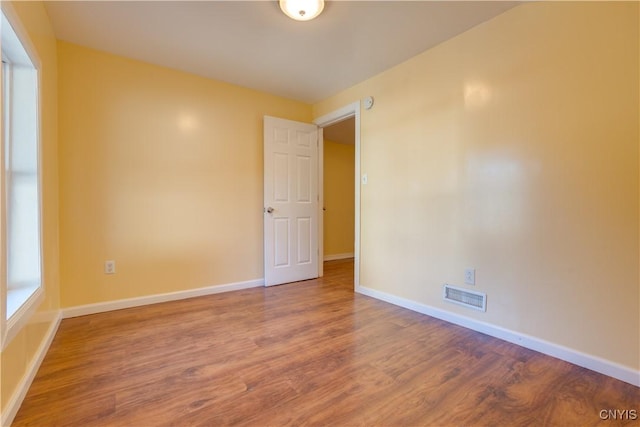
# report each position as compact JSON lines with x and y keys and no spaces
{"x":302,"y":10}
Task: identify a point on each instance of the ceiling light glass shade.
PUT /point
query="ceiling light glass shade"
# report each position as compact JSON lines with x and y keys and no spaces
{"x":302,"y":10}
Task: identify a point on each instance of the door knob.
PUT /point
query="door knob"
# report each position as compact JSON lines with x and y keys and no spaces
{"x":270,"y":209}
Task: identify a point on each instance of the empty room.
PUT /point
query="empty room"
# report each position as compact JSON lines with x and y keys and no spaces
{"x":308,"y":212}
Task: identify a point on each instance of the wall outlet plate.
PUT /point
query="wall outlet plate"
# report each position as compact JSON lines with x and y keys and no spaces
{"x":110,"y":267}
{"x":470,"y":276}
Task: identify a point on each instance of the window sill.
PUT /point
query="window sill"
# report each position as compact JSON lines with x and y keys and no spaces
{"x":17,"y":297}
{"x":21,"y":304}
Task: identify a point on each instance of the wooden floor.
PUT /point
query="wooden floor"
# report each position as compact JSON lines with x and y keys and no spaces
{"x":309,"y":353}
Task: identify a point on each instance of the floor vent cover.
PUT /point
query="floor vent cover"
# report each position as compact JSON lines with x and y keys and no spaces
{"x":471,"y":299}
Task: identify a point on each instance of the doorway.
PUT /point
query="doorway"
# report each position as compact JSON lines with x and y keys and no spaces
{"x":339,"y":190}
{"x":349,"y":116}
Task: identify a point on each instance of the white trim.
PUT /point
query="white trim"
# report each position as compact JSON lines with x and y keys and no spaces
{"x":335,"y":257}
{"x":338,"y":115}
{"x":594,"y":363}
{"x":101,"y":307}
{"x":351,"y":110}
{"x":3,"y":216}
{"x":15,"y":401}
{"x":320,"y":201}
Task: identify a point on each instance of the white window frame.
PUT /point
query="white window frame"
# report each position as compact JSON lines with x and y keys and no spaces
{"x":10,"y":327}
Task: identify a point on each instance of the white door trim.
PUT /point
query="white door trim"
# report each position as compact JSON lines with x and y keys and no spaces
{"x":351,"y":110}
{"x":320,"y":202}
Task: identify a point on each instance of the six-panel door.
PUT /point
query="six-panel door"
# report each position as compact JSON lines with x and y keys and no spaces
{"x":290,"y":200}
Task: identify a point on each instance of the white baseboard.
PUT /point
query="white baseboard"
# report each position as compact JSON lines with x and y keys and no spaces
{"x":83,"y":310}
{"x":13,"y":405}
{"x":336,"y":257}
{"x":593,"y":363}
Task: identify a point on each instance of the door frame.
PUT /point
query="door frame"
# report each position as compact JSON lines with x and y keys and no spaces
{"x":348,"y":111}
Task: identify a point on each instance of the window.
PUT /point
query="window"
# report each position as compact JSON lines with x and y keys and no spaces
{"x":21,"y":237}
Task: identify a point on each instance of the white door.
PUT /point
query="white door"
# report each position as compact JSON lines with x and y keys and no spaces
{"x":290,"y":201}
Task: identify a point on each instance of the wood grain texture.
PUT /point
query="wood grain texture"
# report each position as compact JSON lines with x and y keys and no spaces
{"x":308,"y":353}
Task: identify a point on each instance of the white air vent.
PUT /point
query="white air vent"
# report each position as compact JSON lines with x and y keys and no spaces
{"x":471,"y":299}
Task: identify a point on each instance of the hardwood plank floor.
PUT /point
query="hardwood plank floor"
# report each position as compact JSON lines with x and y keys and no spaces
{"x":308,"y":353}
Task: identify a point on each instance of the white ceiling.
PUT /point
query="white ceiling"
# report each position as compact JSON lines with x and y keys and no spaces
{"x":253,"y":44}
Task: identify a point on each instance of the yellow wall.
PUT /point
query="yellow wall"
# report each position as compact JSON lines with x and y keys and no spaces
{"x":18,"y":355}
{"x":513,"y":148}
{"x":160,"y":171}
{"x":339,"y":198}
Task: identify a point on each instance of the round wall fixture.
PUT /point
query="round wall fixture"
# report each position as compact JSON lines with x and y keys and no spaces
{"x":368,"y":102}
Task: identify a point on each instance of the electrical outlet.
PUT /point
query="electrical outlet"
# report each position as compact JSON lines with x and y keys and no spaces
{"x":110,"y":267}
{"x":470,"y":276}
